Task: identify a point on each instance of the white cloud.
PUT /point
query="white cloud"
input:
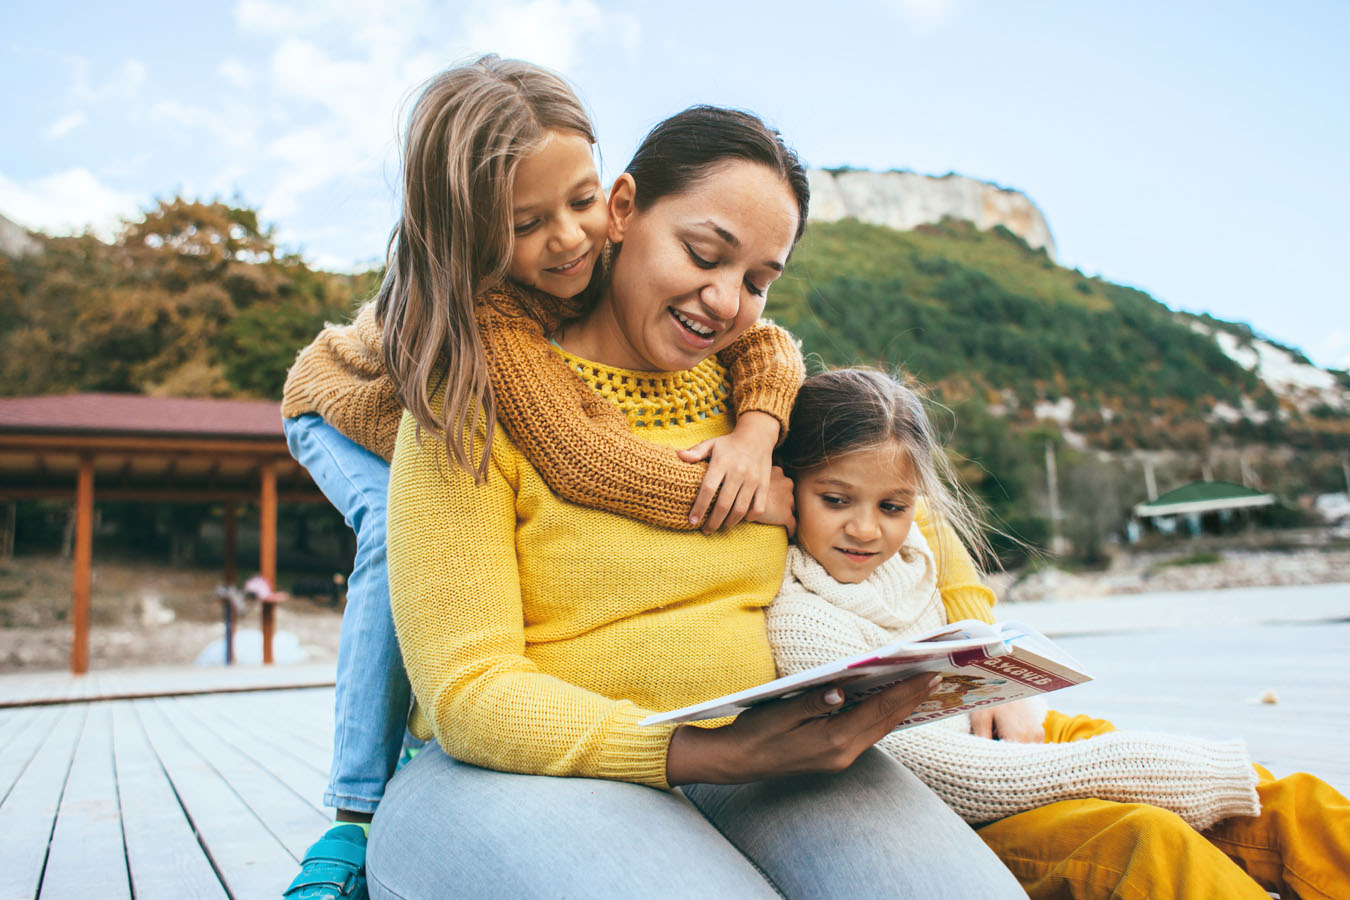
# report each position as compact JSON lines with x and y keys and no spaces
{"x":121,"y":86}
{"x":67,"y":202}
{"x":345,"y":84}
{"x":305,"y":114}
{"x":235,"y":72}
{"x":925,"y":16}
{"x":65,"y":125}
{"x":549,"y":32}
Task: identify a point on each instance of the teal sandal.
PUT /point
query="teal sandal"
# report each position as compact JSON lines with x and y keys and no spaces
{"x":334,"y":868}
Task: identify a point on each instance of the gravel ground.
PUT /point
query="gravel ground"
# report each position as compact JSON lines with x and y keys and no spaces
{"x":140,"y":615}
{"x":158,"y":615}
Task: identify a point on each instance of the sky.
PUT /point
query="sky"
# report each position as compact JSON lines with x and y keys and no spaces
{"x":1196,"y":150}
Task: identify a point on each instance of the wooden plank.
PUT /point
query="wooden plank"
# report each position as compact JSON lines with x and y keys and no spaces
{"x":19,"y":690}
{"x":285,"y":717}
{"x":265,"y":727}
{"x":163,"y":854}
{"x":248,"y":858}
{"x":14,"y":725}
{"x":293,"y":769}
{"x":29,"y":812}
{"x":86,"y":857}
{"x":295,"y":821}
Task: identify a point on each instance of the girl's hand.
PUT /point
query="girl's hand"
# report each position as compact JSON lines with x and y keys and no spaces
{"x":782,"y":506}
{"x":1022,"y":721}
{"x":738,"y":472}
{"x":791,"y":737}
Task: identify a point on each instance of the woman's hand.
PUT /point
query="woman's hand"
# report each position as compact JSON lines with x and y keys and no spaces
{"x":1022,"y":721}
{"x":738,"y":475}
{"x":791,"y":737}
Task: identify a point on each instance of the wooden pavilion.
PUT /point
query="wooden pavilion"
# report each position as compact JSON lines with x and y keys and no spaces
{"x":155,"y":450}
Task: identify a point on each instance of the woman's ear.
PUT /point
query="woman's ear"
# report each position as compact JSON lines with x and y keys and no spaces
{"x":621,"y":206}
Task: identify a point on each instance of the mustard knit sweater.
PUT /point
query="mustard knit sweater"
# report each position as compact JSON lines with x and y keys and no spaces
{"x":537,"y":633}
{"x":581,"y":445}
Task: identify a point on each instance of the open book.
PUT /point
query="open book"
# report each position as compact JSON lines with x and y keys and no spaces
{"x":980,"y":664}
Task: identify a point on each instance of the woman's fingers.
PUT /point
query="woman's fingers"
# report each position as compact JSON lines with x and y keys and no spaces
{"x":879,"y":714}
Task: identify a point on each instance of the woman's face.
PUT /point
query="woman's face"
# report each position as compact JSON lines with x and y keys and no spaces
{"x":694,"y":267}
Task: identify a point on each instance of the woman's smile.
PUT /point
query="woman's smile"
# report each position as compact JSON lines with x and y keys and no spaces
{"x":696,"y":332}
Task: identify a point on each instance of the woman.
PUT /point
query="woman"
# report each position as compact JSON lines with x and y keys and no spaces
{"x":537,"y":634}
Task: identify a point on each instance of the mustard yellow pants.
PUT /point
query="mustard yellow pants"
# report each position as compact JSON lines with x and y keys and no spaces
{"x":1298,"y":846}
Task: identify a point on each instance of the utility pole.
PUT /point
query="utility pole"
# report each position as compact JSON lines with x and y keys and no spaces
{"x":1052,"y":488}
{"x":1248,"y":476}
{"x":1150,"y":480}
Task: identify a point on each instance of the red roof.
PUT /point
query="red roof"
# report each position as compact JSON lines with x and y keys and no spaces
{"x":136,"y":414}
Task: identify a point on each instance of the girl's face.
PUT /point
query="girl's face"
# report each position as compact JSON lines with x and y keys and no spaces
{"x":694,"y":267}
{"x":854,"y":512}
{"x":559,"y":216}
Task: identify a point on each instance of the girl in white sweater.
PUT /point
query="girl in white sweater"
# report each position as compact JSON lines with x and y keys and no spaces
{"x":1074,"y":807}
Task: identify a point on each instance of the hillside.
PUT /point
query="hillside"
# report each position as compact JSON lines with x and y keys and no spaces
{"x":980,"y":311}
{"x":1033,"y":362}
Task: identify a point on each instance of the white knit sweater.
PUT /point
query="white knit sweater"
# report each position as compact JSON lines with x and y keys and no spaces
{"x":816,"y":620}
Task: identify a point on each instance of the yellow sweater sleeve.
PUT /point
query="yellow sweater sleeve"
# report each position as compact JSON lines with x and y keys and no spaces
{"x":964,"y":594}
{"x":456,"y":598}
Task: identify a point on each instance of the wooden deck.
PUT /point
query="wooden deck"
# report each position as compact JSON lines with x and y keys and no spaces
{"x":218,"y":794}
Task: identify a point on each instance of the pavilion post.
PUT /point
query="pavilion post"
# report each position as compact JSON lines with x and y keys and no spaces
{"x":267,"y":553}
{"x":230,"y":552}
{"x":84,"y":557}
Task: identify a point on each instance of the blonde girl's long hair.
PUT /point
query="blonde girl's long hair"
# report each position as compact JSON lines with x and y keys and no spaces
{"x":467,"y":133}
{"x":847,"y":410}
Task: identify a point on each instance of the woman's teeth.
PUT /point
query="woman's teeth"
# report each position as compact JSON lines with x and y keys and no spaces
{"x":696,"y":328}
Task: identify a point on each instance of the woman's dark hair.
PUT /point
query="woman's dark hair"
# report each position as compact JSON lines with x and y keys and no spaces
{"x":848,"y":410}
{"x":680,"y":151}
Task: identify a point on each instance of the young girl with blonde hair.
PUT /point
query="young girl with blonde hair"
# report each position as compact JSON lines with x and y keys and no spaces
{"x":1089,"y":812}
{"x":500,"y":239}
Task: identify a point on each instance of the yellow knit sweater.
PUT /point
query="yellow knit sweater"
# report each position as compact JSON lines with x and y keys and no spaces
{"x":537,"y":633}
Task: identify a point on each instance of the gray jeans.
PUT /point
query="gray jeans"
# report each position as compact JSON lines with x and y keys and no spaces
{"x":448,"y":829}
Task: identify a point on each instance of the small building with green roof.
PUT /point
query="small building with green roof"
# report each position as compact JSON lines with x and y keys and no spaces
{"x":1200,"y":497}
{"x":1192,"y":503}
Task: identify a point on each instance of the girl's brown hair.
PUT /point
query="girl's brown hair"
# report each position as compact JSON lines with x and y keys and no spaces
{"x":466,"y":135}
{"x":847,"y":410}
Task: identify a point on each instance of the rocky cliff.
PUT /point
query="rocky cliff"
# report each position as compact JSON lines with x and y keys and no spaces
{"x":15,"y":241}
{"x":905,"y":200}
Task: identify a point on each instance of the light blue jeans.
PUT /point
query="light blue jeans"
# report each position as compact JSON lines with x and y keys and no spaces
{"x":449,"y":829}
{"x":370,"y":711}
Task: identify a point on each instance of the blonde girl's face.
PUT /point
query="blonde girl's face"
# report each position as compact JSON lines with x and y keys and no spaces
{"x":855,"y":511}
{"x":559,"y":216}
